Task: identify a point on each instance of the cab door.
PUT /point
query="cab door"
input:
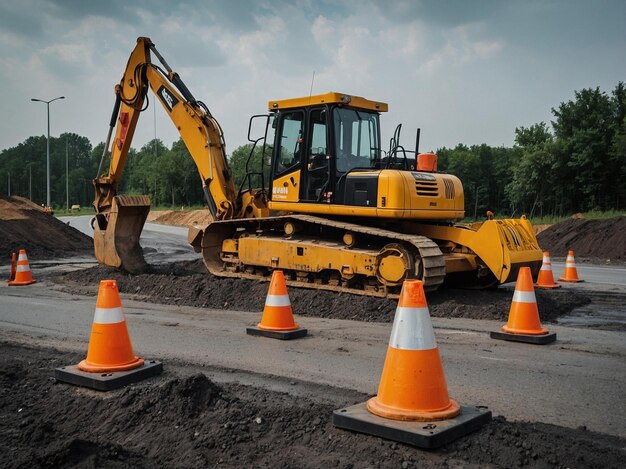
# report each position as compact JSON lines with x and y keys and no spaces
{"x":316,"y":178}
{"x":288,"y":156}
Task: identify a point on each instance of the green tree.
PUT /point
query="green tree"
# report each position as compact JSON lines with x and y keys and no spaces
{"x":536,"y":134}
{"x":484,"y":172}
{"x":26,"y":164}
{"x":189,"y":184}
{"x":531,"y":187}
{"x":259,"y":162}
{"x":617,"y":154}
{"x":531,"y":182}
{"x":584,"y":128}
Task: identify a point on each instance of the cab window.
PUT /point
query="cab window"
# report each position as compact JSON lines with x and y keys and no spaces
{"x":290,"y":140}
{"x":356,"y":139}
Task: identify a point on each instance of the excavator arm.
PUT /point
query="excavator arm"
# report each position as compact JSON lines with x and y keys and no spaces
{"x":120,"y":218}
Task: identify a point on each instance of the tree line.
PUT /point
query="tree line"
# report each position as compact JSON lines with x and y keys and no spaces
{"x":575,"y":164}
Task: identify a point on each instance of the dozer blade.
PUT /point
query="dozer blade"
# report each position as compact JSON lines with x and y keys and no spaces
{"x":116,"y":233}
{"x":501,"y":247}
{"x":506,"y":246}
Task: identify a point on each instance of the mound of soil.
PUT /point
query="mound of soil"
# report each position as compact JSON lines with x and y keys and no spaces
{"x":24,"y":225}
{"x":598,"y":239}
{"x":184,"y":419}
{"x":180,"y":218}
{"x":188,"y":283}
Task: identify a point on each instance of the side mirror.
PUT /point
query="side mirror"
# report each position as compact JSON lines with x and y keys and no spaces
{"x":260,"y":122}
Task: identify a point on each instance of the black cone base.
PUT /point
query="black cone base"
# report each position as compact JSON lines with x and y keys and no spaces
{"x":107,"y":381}
{"x":529,"y":339}
{"x":283,"y":335}
{"x":421,"y":434}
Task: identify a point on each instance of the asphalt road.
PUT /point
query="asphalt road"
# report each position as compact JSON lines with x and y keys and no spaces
{"x":579,"y":380}
{"x":609,"y":275}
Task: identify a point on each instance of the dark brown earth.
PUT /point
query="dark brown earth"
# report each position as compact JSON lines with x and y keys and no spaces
{"x":24,"y":225}
{"x":184,"y":419}
{"x":188,"y":283}
{"x":594,"y":239}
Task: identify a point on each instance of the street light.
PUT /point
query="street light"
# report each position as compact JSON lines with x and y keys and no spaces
{"x":67,"y":175}
{"x":48,"y":203}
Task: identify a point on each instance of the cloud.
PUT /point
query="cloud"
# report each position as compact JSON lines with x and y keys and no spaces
{"x":462,"y":45}
{"x":436,"y":63}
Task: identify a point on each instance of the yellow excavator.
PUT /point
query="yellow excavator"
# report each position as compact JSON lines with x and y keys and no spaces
{"x":338,"y":213}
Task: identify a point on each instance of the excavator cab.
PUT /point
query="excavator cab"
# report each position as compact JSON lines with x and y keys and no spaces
{"x":319,"y":143}
{"x":328,"y":162}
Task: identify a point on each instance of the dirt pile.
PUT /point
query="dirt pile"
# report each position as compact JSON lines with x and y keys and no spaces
{"x":179,"y":218}
{"x":595,"y":239}
{"x":188,"y":283}
{"x":24,"y":225}
{"x":183,"y":419}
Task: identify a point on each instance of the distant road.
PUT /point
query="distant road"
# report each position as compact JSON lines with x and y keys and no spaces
{"x":593,"y":273}
{"x":161,"y":243}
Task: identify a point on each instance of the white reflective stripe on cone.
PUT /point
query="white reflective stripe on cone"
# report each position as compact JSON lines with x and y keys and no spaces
{"x":524,"y":296}
{"x":546,"y":260}
{"x":22,"y":268}
{"x":277,"y":300}
{"x":412,"y":330}
{"x":109,"y":316}
{"x":569,"y":259}
{"x":546,"y":267}
{"x":570,"y":265}
{"x":22,"y":257}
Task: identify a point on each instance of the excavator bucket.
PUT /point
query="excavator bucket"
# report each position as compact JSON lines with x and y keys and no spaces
{"x":116,"y":233}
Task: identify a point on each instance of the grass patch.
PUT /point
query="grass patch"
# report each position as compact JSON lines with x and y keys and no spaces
{"x":594,"y":214}
{"x":551,"y":220}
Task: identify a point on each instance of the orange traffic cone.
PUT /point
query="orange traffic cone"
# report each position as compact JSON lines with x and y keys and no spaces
{"x":23,"y":275}
{"x":570,"y":274}
{"x":110,"y":353}
{"x":109,"y":347}
{"x":413,"y":387}
{"x":524,"y":324}
{"x":277,"y":321}
{"x":546,"y":279}
{"x":13,"y":266}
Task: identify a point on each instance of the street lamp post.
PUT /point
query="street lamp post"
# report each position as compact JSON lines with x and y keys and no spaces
{"x":67,"y":173}
{"x":48,"y":202}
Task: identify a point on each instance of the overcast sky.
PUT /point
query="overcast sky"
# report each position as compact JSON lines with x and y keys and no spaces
{"x":464,"y":71}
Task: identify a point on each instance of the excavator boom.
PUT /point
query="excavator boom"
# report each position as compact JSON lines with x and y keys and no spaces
{"x":120,"y":219}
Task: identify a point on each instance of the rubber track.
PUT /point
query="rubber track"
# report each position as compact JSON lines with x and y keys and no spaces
{"x":434,"y":267}
{"x":434,"y":264}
